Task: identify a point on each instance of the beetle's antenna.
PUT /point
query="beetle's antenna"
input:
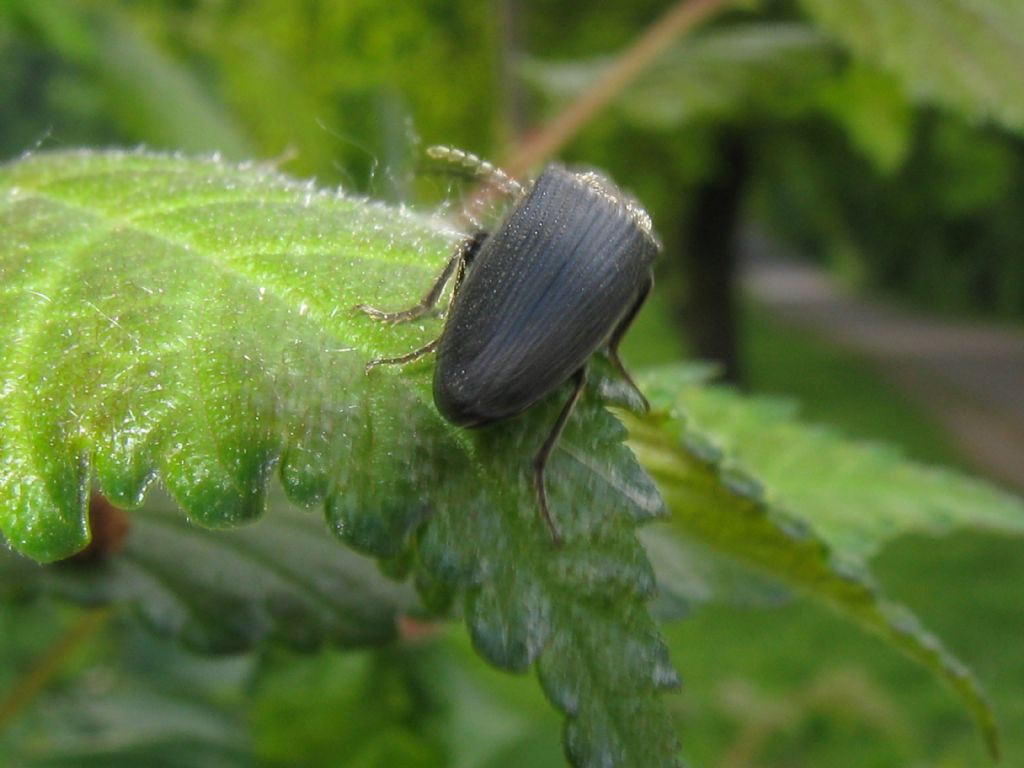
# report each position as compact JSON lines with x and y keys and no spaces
{"x":478,"y":167}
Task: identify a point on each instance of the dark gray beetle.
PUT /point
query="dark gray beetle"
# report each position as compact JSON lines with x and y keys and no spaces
{"x":564,"y":275}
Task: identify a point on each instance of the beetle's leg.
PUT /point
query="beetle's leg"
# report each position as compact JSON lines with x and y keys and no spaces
{"x":540,"y":461}
{"x":620,"y":331}
{"x":457,"y":264}
{"x":469,"y":250}
{"x":425,"y":305}
{"x":408,"y":357}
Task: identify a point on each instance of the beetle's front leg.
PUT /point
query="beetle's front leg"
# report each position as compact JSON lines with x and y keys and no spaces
{"x":425,"y":305}
{"x":457,"y":265}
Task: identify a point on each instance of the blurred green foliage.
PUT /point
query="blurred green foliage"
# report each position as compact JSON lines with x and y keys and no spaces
{"x":847,"y":161}
{"x":944,"y":229}
{"x":350,"y":91}
{"x":921,"y":203}
{"x":347,"y":88}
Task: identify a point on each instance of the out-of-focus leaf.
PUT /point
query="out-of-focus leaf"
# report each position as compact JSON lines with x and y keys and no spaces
{"x":726,"y":73}
{"x":193,"y":322}
{"x":857,"y":496}
{"x":806,"y":508}
{"x":137,"y":728}
{"x":691,"y":574}
{"x":140,"y":701}
{"x":378,"y":709}
{"x":228,"y":591}
{"x":875,"y":113}
{"x":159,"y":99}
{"x":965,"y":54}
{"x":149,"y":94}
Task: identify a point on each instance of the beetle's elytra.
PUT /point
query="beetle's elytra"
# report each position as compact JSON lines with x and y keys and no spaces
{"x":563,"y":276}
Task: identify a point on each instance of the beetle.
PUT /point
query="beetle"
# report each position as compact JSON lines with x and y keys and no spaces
{"x":564,"y":275}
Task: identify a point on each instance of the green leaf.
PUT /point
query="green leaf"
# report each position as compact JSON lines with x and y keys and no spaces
{"x":858,"y":496}
{"x":192,"y":322}
{"x":692,"y":574}
{"x":132,"y":728}
{"x":140,"y":701}
{"x":807,"y":508}
{"x":773,"y":69}
{"x":282,"y":580}
{"x":871,"y":107}
{"x":965,"y":54}
{"x":148,"y":94}
{"x":379,"y":709}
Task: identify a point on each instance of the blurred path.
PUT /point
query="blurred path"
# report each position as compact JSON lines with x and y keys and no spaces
{"x":969,"y":375}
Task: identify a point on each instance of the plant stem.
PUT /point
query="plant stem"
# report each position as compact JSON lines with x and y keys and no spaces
{"x":49,"y":664}
{"x":679,"y":19}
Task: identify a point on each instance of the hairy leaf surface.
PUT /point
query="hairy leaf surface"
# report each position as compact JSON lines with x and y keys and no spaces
{"x":192,"y":322}
{"x":803,"y":506}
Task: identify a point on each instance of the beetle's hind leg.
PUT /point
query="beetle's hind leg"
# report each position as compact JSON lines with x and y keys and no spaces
{"x":540,"y":461}
{"x":620,"y":331}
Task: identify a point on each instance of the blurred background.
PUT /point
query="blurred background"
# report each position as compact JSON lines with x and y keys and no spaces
{"x":832,"y":234}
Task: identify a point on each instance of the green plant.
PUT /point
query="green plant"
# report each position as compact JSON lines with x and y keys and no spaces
{"x":190,"y":321}
{"x":176,"y":334}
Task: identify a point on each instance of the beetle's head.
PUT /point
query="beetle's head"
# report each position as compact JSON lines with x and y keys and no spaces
{"x":607,"y":188}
